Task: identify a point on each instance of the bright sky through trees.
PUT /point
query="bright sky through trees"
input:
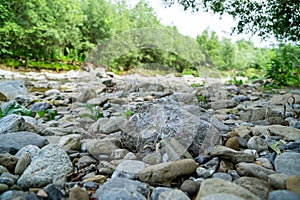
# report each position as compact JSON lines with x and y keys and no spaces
{"x":193,"y":24}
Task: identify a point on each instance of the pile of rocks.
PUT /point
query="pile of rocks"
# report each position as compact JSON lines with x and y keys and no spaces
{"x":153,"y":138}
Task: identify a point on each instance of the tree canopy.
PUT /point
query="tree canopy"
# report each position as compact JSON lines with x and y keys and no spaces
{"x":279,"y":18}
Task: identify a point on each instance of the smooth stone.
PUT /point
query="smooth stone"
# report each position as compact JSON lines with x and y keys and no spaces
{"x":257,"y":186}
{"x":293,"y":184}
{"x":250,"y":169}
{"x":233,"y":143}
{"x":220,"y":104}
{"x":53,"y":191}
{"x":8,"y":161}
{"x":3,"y":169}
{"x":51,"y":162}
{"x":129,"y":169}
{"x":264,"y":162}
{"x":122,"y":188}
{"x":119,"y":153}
{"x":215,"y":186}
{"x":288,"y":132}
{"x":22,"y":163}
{"x":107,"y":125}
{"x":10,"y":123}
{"x":278,"y":180}
{"x":230,"y":154}
{"x":224,"y":176}
{"x":222,"y":196}
{"x":152,"y":158}
{"x":130,"y":156}
{"x":164,"y":173}
{"x":18,"y":140}
{"x":99,"y":179}
{"x":70,"y":142}
{"x":13,"y":194}
{"x":157,"y":191}
{"x":3,"y":188}
{"x":41,"y":106}
{"x":85,"y":160}
{"x":32,"y":196}
{"x":13,"y":88}
{"x":174,"y":194}
{"x":283,"y":194}
{"x":86,"y":94}
{"x":77,"y":193}
{"x":33,"y":150}
{"x":257,"y":143}
{"x":97,"y":147}
{"x":190,"y":187}
{"x":242,"y":131}
{"x":6,"y":180}
{"x":288,"y":163}
{"x":203,"y":172}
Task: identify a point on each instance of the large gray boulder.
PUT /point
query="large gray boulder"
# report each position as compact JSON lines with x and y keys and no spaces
{"x":12,"y":88}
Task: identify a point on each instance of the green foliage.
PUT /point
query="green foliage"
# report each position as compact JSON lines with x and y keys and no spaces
{"x":284,"y":68}
{"x":94,"y":113}
{"x":275,"y":148}
{"x":264,"y":18}
{"x":47,"y":114}
{"x":201,"y":98}
{"x":15,"y":108}
{"x":43,"y":30}
{"x":235,"y":81}
{"x":128,"y":113}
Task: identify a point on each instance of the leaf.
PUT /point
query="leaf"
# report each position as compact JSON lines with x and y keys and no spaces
{"x":275,"y":148}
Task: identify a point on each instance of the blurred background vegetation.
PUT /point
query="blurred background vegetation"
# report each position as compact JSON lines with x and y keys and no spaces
{"x":59,"y":34}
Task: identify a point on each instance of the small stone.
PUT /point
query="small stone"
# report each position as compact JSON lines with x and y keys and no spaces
{"x":215,"y":186}
{"x":42,"y":193}
{"x":122,"y":188}
{"x":190,"y":187}
{"x":233,"y":143}
{"x":173,"y":194}
{"x":293,"y":184}
{"x":203,"y":172}
{"x":22,"y":163}
{"x":78,"y":193}
{"x":283,"y":194}
{"x":130,"y":156}
{"x":257,"y":143}
{"x":288,"y":163}
{"x":152,"y":158}
{"x":278,"y":180}
{"x":8,"y":161}
{"x":257,"y":186}
{"x":100,"y":179}
{"x":119,"y":153}
{"x":250,"y":169}
{"x":3,"y":169}
{"x":230,"y":154}
{"x":264,"y":162}
{"x":33,"y":150}
{"x":225,"y":166}
{"x":224,"y":176}
{"x":32,"y":196}
{"x":13,"y":194}
{"x":3,"y":188}
{"x":53,"y":192}
{"x":222,"y":196}
{"x":164,"y":173}
{"x":85,"y":160}
{"x":129,"y":169}
{"x":70,"y":142}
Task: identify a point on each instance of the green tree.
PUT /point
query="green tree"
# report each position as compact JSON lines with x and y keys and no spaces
{"x":277,"y":17}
